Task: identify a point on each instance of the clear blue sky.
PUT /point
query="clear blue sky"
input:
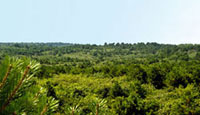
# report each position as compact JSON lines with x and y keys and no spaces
{"x":99,"y":21}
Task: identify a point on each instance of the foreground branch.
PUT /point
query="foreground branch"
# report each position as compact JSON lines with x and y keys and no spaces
{"x":16,"y":89}
{"x":6,"y":76}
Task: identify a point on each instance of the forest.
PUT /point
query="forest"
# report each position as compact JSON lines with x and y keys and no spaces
{"x":108,"y":79}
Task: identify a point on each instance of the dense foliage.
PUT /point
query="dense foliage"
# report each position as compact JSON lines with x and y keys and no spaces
{"x":116,"y":78}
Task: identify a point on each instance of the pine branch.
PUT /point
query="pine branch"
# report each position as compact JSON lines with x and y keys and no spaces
{"x":44,"y":110}
{"x":50,"y":106}
{"x":97,"y":109}
{"x":72,"y":111}
{"x":16,"y":89}
{"x":6,"y":76}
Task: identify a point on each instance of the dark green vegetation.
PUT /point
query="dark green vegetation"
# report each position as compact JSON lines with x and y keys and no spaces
{"x":116,"y":79}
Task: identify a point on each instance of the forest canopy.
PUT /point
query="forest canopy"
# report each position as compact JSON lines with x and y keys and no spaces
{"x":109,"y":79}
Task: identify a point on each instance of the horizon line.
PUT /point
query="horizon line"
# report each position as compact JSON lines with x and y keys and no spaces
{"x":101,"y":43}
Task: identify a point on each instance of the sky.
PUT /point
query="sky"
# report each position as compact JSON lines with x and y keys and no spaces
{"x":100,"y":21}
